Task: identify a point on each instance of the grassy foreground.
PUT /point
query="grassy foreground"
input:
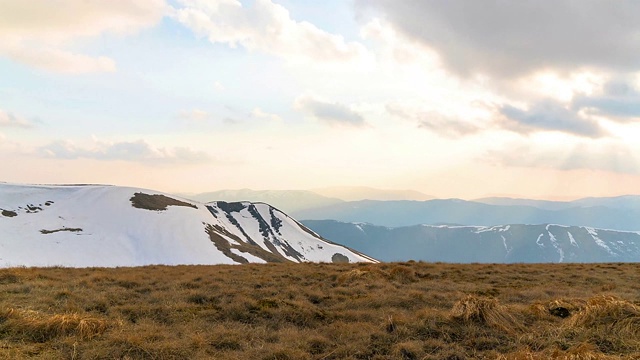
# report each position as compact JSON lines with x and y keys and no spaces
{"x":322,"y":311}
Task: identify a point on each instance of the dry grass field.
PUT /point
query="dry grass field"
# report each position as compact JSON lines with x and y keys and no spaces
{"x":322,"y":311}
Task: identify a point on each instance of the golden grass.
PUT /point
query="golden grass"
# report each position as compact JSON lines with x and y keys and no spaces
{"x":322,"y":311}
{"x":39,"y":327}
{"x":610,"y":314}
{"x":483,"y":311}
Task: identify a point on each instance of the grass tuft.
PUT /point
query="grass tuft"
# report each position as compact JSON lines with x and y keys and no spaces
{"x":40,"y":327}
{"x":610,"y":314}
{"x":483,"y":311}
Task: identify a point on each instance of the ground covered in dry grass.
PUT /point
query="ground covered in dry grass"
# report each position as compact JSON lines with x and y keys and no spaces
{"x":322,"y":311}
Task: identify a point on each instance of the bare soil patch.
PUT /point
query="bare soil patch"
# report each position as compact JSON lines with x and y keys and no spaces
{"x":156,"y":202}
{"x":44,"y":231}
{"x":9,"y":213}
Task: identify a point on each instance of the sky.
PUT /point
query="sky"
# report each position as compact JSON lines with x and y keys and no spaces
{"x":466,"y":99}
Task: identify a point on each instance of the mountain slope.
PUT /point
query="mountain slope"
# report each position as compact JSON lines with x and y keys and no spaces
{"x":455,"y":211}
{"x":118,"y":226}
{"x":498,"y":244}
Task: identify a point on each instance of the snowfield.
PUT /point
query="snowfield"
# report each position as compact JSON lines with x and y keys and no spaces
{"x":98,"y":226}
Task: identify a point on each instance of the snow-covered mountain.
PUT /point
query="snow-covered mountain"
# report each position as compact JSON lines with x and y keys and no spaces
{"x":485,"y":244}
{"x":92,"y":225}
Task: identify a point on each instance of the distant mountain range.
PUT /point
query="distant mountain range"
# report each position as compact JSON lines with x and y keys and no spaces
{"x":356,"y":193}
{"x":92,"y":225}
{"x":497,"y":244}
{"x":619,"y":213}
{"x":617,"y":202}
{"x":296,"y":200}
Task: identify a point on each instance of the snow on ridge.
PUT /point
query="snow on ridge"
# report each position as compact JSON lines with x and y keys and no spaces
{"x":499,"y":228}
{"x":96,"y":225}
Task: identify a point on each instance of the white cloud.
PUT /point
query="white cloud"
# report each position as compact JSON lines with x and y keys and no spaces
{"x":333,"y":113}
{"x":195,"y":115}
{"x":265,"y":27}
{"x":136,"y":151}
{"x":37,"y":32}
{"x":60,"y":61}
{"x":218,"y":86}
{"x":8,"y":119}
{"x":258,"y":113}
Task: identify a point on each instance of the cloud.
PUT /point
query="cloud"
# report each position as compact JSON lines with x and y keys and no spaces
{"x":8,"y":119}
{"x":266,"y":27}
{"x":619,"y":100}
{"x":446,"y":125}
{"x":610,"y":157}
{"x":331,"y":113}
{"x":137,"y":151}
{"x":218,"y":86}
{"x":258,"y":113}
{"x":508,"y":38}
{"x":60,"y":61}
{"x":37,"y":32}
{"x":195,"y":115}
{"x":549,"y":115}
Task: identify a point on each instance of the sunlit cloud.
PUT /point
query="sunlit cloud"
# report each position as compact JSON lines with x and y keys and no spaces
{"x":39,"y":33}
{"x":134,"y":151}
{"x":8,"y":119}
{"x":607,"y":156}
{"x":448,"y":125}
{"x":264,"y":26}
{"x":195,"y":115}
{"x":333,"y":113}
{"x":260,"y":114}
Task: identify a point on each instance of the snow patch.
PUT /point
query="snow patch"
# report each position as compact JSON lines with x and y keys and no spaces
{"x":538,"y":240}
{"x":599,"y":242}
{"x":554,"y":243}
{"x":504,"y":242}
